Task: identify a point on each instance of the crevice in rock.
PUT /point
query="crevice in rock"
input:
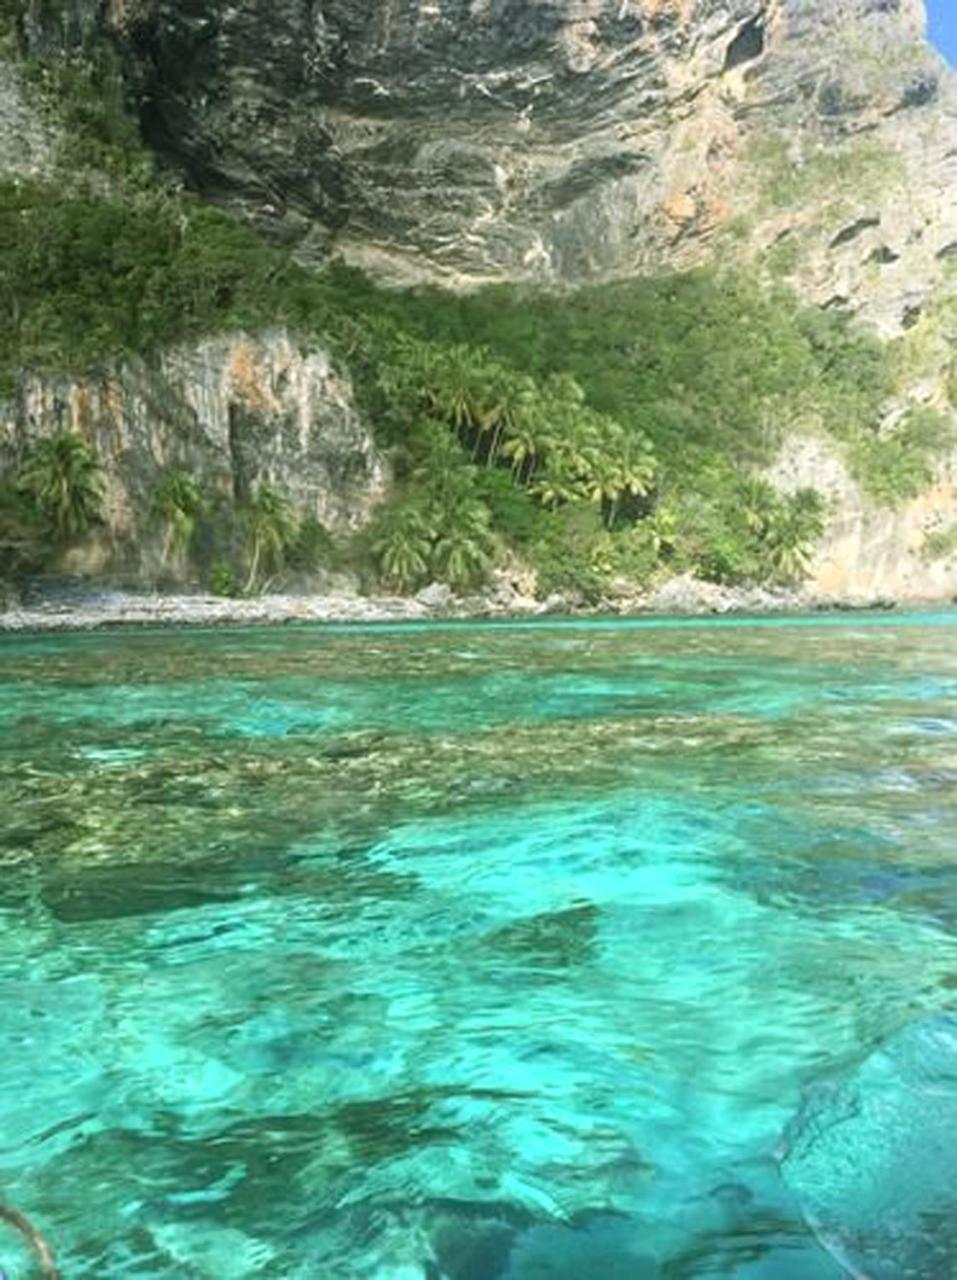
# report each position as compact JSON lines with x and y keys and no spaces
{"x":948,"y":251}
{"x":854,"y":229}
{"x":590,"y":174}
{"x":884,"y":255}
{"x":747,"y":45}
{"x":241,"y":486}
{"x":922,"y":90}
{"x":912,"y":315}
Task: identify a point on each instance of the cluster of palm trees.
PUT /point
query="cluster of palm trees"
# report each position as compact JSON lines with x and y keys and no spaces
{"x":266,"y":517}
{"x":442,"y":534}
{"x":552,"y":441}
{"x":564,"y":454}
{"x":785,"y":529}
{"x":473,"y":412}
{"x":466,"y":412}
{"x":267,"y":520}
{"x":57,"y":494}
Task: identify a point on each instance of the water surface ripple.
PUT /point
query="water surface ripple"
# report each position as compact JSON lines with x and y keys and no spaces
{"x":482,"y":952}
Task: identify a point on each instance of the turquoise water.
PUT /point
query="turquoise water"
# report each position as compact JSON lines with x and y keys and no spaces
{"x":482,"y":953}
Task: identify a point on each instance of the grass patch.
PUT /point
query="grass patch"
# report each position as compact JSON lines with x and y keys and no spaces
{"x":941,"y":544}
{"x":861,"y":168}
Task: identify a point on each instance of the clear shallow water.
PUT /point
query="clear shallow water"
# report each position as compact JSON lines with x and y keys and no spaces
{"x":481,"y":953}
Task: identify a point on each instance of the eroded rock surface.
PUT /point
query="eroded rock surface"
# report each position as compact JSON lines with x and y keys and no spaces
{"x":564,"y":140}
{"x":558,"y":141}
{"x":240,"y":411}
{"x":871,"y":552}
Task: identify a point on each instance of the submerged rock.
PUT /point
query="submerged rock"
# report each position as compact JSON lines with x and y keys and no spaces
{"x":873,"y":1161}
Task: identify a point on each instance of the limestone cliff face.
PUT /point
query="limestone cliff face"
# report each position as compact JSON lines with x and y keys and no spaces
{"x":564,"y":140}
{"x":560,"y":141}
{"x":870,"y":552}
{"x":239,"y":411}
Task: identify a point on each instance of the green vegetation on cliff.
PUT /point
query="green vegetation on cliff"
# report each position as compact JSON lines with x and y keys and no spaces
{"x":598,"y":433}
{"x":615,"y":431}
{"x":54,"y":495}
{"x":610,"y":432}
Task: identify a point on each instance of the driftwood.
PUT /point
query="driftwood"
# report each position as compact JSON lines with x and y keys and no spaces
{"x":33,"y":1237}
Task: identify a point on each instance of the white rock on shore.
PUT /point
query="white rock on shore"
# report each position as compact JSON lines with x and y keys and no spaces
{"x":81,"y":610}
{"x":111,"y":609}
{"x":688,"y":594}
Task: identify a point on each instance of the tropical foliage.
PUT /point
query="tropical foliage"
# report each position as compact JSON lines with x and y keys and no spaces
{"x":787,"y":537}
{"x":607,"y":432}
{"x":313,"y":548}
{"x":24,"y":540}
{"x":223,"y":580}
{"x":61,"y":481}
{"x":402,"y":546}
{"x":54,"y":495}
{"x":897,"y":465}
{"x":84,"y":276}
{"x":440,"y":529}
{"x":179,"y":503}
{"x":269,"y":530}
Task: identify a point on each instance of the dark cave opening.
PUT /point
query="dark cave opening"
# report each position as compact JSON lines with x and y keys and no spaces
{"x":242,"y":489}
{"x":747,"y":45}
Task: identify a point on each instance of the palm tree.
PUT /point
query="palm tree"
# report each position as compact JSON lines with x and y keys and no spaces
{"x":63,"y":482}
{"x":515,"y":398}
{"x":521,"y":446}
{"x":443,"y":468}
{"x":463,"y":550}
{"x":788,"y":558}
{"x":603,"y":483}
{"x":459,"y":559}
{"x":403,"y":547}
{"x":558,"y":484}
{"x":637,"y":464}
{"x":269,"y":530}
{"x":563,"y":389}
{"x":178,"y":503}
{"x":791,"y":529}
{"x":455,"y":389}
{"x":662,"y":529}
{"x":758,"y":501}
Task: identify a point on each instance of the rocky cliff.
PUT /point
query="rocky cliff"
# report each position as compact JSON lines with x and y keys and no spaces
{"x":563,"y":140}
{"x":239,"y":411}
{"x":870,"y":551}
{"x":559,"y":142}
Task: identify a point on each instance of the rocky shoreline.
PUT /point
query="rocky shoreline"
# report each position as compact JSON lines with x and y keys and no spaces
{"x":84,"y":608}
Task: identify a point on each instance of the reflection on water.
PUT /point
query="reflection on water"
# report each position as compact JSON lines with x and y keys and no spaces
{"x":480,"y":953}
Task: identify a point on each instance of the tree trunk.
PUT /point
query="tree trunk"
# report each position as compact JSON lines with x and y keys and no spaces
{"x":496,"y":438}
{"x":254,"y":567}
